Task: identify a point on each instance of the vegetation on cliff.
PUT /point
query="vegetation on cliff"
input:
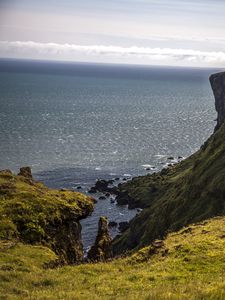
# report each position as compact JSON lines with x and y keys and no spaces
{"x":32,"y":213}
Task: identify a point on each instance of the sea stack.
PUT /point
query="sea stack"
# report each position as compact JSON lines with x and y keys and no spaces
{"x":102,"y":248}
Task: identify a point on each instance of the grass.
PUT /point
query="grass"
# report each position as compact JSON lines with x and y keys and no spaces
{"x":189,"y":264}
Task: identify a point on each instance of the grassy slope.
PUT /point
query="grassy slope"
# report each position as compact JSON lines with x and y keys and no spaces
{"x":191,"y":191}
{"x":190,"y":265}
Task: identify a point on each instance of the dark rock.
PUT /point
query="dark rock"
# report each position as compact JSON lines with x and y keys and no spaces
{"x":123,"y":198}
{"x":113,"y":190}
{"x":111,"y":181}
{"x":217,"y":82}
{"x":101,"y":185}
{"x":117,"y":178}
{"x":124,"y":179}
{"x":170,"y":158}
{"x":26,"y":172}
{"x":92,"y":190}
{"x":102,"y":248}
{"x":148,"y":169}
{"x":112,"y":224}
{"x":123,"y":226}
{"x":180,"y":157}
{"x":112,"y":200}
{"x":79,"y":187}
{"x":107,"y":194}
{"x":102,"y":198}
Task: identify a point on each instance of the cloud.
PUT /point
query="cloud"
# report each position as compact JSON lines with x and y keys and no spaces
{"x":75,"y":52}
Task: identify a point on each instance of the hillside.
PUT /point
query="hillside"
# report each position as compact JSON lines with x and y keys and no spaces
{"x":187,"y":265}
{"x":188,"y":192}
{"x":34,"y":214}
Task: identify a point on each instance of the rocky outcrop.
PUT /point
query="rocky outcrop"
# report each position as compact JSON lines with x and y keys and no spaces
{"x":34,"y":214}
{"x":218,"y":86}
{"x":102,"y":249}
{"x":103,"y":186}
{"x":26,"y":172}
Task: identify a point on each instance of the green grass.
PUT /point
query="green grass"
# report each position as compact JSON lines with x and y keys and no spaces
{"x":189,"y":265}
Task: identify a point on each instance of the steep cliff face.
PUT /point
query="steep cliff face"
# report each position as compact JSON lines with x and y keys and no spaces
{"x":35,"y":214}
{"x":191,"y":191}
{"x":218,"y":86}
{"x":102,"y":249}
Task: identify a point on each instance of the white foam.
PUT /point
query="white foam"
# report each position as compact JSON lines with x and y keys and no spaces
{"x":160,"y":155}
{"x":147,"y":166}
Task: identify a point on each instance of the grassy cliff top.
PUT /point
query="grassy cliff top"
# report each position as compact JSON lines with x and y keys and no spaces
{"x":188,"y":265}
{"x":27,"y":207}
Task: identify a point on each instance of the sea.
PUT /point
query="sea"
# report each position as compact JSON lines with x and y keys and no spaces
{"x":74,"y":123}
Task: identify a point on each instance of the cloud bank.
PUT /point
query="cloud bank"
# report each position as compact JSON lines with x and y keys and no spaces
{"x":30,"y":49}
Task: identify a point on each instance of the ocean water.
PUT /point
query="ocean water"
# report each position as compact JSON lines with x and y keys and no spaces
{"x":74,"y":123}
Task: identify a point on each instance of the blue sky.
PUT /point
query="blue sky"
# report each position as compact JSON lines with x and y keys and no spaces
{"x":163,"y":32}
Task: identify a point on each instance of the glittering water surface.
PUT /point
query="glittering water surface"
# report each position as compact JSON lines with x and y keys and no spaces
{"x":74,"y":123}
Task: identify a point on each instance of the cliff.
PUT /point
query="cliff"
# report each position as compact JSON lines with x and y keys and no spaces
{"x":188,"y":192}
{"x":218,"y":86}
{"x":34,"y":214}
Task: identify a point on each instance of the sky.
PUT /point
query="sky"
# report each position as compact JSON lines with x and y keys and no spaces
{"x":151,"y":32}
